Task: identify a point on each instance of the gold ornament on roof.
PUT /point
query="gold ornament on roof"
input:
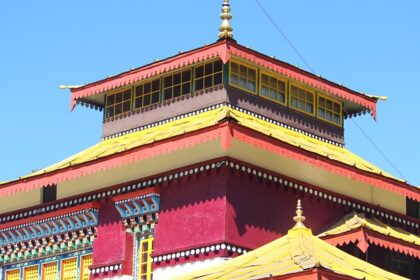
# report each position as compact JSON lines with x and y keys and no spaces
{"x":225,"y":28}
{"x":299,"y":218}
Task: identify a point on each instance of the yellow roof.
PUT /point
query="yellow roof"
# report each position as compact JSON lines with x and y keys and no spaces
{"x":354,"y":221}
{"x":295,"y":252}
{"x":192,"y":123}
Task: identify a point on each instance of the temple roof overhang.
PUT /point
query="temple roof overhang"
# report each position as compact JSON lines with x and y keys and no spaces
{"x":354,"y":102}
{"x":360,"y":230}
{"x":297,"y":252}
{"x":237,"y":139}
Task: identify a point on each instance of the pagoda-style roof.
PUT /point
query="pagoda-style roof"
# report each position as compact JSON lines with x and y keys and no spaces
{"x":356,"y":228}
{"x":92,"y":93}
{"x":116,"y":151}
{"x":299,"y":251}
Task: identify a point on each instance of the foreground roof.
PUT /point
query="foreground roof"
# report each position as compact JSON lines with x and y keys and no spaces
{"x":347,"y":230}
{"x":298,"y":251}
{"x":203,"y":119}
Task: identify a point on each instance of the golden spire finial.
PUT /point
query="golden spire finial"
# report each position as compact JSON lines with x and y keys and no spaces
{"x":225,"y":28}
{"x":299,"y":218}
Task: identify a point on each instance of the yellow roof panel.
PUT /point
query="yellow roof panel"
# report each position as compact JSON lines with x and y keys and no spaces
{"x":192,"y":123}
{"x":295,"y":252}
{"x":354,"y":221}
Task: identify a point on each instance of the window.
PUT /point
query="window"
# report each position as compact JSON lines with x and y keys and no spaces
{"x":302,"y":100}
{"x":412,"y":208}
{"x":84,"y":271}
{"x":49,"y":271}
{"x":145,"y":259}
{"x":273,"y":88}
{"x":31,"y":273}
{"x":69,"y":269}
{"x":208,"y":75}
{"x":49,"y":193}
{"x":329,"y":110}
{"x":243,"y":77}
{"x":13,"y":274}
{"x":118,"y":103}
{"x":147,"y":94}
{"x":177,"y":84}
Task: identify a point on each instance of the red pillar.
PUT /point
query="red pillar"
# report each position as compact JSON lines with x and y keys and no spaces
{"x":113,"y":246}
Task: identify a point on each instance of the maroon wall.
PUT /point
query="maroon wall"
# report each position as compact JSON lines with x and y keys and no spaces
{"x":233,"y":207}
{"x":113,"y":244}
{"x":258,"y":212}
{"x":192,"y":212}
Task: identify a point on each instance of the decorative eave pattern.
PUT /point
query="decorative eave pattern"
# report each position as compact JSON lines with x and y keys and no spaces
{"x":139,"y":210}
{"x":204,"y":53}
{"x":281,"y":182}
{"x":54,"y":233}
{"x":67,"y":220}
{"x":303,"y":76}
{"x":362,"y":231}
{"x":223,"y":50}
{"x":209,"y":251}
{"x":138,"y":203}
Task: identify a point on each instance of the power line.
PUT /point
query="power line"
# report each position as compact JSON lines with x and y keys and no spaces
{"x":284,"y":35}
{"x":311,"y":69}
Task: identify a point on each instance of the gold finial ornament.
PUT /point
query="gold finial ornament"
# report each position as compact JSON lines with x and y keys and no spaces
{"x":225,"y":28}
{"x":299,"y":218}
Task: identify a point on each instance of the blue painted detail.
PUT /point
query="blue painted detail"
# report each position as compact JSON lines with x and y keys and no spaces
{"x":130,"y":210}
{"x":147,"y":207}
{"x":72,"y":222}
{"x":94,"y":214}
{"x":120,"y":210}
{"x":156,"y":203}
{"x":138,"y":206}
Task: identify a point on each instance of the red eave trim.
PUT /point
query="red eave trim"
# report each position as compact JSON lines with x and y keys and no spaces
{"x":303,"y":77}
{"x":218,"y":49}
{"x":362,"y":237}
{"x":223,"y":50}
{"x":223,"y":131}
{"x":90,"y":205}
{"x":137,"y":193}
{"x":162,"y":147}
{"x":260,"y":140}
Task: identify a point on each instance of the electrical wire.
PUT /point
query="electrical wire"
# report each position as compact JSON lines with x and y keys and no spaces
{"x":312,"y":70}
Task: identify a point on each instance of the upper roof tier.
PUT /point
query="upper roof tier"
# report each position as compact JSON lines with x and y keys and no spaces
{"x":353,"y":102}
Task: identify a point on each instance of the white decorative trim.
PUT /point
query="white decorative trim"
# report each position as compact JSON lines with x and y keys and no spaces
{"x":194,"y":113}
{"x":110,"y":268}
{"x":200,"y":250}
{"x":214,"y":165}
{"x":171,"y":272}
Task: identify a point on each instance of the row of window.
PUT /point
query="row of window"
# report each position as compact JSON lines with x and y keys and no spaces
{"x":211,"y":74}
{"x":276,"y":89}
{"x":171,"y":86}
{"x":49,"y":271}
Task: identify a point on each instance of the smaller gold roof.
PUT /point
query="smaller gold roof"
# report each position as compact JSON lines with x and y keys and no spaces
{"x":355,"y":221}
{"x":295,"y":252}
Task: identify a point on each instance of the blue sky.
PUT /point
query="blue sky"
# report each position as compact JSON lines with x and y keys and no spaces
{"x":370,"y":46}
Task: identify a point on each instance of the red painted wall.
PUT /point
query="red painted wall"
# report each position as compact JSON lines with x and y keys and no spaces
{"x":192,"y":212}
{"x":230,"y":206}
{"x":113,"y":244}
{"x":258,"y":212}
